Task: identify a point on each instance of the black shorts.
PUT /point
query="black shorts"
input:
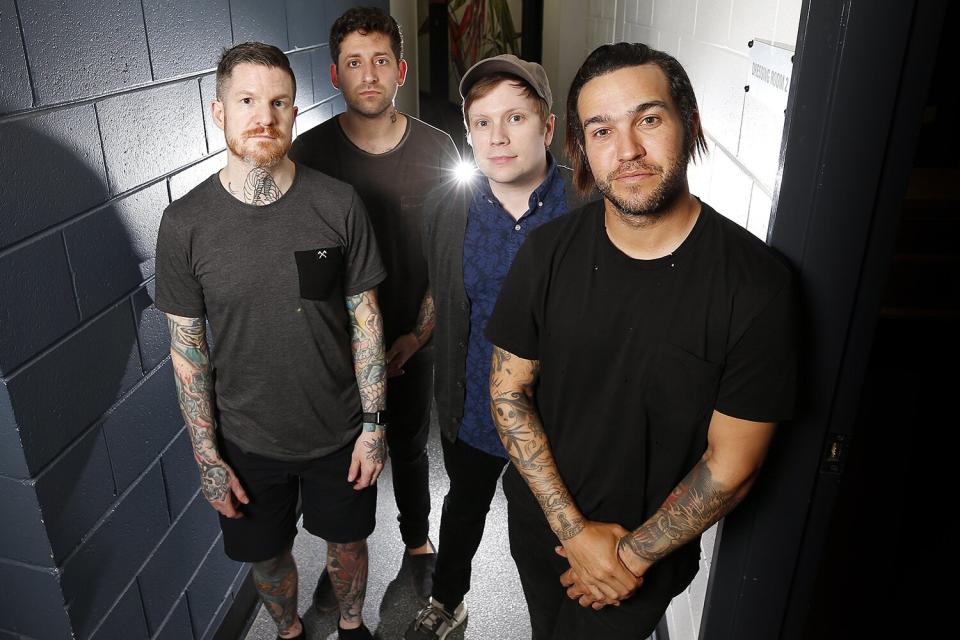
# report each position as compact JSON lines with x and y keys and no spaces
{"x":332,"y":509}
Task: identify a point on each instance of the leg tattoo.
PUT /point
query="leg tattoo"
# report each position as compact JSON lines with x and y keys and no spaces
{"x":347,"y":567}
{"x":276,"y":582}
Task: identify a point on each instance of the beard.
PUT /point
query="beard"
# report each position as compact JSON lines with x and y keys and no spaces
{"x":260,"y":153}
{"x":637,"y":208}
{"x":367,"y":109}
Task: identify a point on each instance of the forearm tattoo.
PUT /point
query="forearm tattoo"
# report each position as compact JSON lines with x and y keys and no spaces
{"x":366,"y":331}
{"x":347,"y":568}
{"x":276,"y":582}
{"x":696,"y":503}
{"x":512,"y":383}
{"x":258,"y":189}
{"x":426,"y":319}
{"x":191,"y":366}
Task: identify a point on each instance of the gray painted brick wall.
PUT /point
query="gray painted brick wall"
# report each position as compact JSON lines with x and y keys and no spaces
{"x":104,"y":118}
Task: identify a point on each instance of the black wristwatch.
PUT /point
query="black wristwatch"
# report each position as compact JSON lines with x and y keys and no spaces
{"x":377,"y":417}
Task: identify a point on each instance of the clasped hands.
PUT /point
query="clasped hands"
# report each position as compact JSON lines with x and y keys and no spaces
{"x":598,"y":576}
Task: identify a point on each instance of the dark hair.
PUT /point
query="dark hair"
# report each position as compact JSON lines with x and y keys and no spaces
{"x":609,"y":58}
{"x":486,"y":84}
{"x":365,"y":20}
{"x":252,"y":53}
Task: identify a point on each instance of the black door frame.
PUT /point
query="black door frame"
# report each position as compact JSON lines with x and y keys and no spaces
{"x":860,"y":76}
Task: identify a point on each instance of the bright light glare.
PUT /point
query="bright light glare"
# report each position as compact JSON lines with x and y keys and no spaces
{"x":464,"y":171}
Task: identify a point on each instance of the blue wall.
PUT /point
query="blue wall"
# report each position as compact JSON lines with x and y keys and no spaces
{"x":104,"y":119}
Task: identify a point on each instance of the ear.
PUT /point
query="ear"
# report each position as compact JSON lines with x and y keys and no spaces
{"x":333,"y":77}
{"x":551,"y":126}
{"x":216,"y":110}
{"x":401,"y":72}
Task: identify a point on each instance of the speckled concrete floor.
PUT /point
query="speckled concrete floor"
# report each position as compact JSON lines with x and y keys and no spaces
{"x":495,"y":602}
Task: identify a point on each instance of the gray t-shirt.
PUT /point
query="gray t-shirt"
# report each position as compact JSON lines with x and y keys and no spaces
{"x":393,"y":186}
{"x":272,"y":280}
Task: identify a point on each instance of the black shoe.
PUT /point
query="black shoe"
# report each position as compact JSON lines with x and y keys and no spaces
{"x":360,"y":633}
{"x":421,"y":570}
{"x":324,"y":599}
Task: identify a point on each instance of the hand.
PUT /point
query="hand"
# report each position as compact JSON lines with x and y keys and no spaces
{"x":221,"y":488}
{"x":598,"y":575}
{"x":399,"y":352}
{"x":369,"y":456}
{"x":577,"y":590}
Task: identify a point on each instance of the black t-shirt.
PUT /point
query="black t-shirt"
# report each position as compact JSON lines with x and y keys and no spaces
{"x":636,"y":354}
{"x":272,"y":281}
{"x":393,"y":186}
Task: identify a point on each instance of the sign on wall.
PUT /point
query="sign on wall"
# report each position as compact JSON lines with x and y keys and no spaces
{"x":767,"y":87}
{"x":770,"y":70}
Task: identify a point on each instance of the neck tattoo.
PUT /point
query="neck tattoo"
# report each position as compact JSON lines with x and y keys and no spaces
{"x":393,"y":116}
{"x":259,"y":188}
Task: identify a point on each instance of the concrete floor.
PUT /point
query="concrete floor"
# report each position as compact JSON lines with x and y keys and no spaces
{"x":495,"y":603}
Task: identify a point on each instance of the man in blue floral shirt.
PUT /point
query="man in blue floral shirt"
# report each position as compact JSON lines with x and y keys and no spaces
{"x":472,"y":232}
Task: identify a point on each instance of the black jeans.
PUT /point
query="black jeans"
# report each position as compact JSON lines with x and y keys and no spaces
{"x":408,"y":405}
{"x":554,"y":616}
{"x":473,"y":481}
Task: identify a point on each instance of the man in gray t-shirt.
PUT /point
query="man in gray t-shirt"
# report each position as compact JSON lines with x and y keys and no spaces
{"x":282,"y":262}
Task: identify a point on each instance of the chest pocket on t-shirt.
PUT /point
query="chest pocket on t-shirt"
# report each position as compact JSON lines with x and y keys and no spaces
{"x":320,"y":272}
{"x":682,"y":390}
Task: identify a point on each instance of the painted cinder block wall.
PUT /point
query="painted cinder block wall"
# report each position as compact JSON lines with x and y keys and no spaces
{"x":738,"y":176}
{"x":104,"y":119}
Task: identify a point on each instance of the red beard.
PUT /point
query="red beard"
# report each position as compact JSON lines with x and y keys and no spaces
{"x":262,"y":153}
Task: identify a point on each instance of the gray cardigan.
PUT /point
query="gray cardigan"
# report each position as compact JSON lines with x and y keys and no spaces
{"x":445,"y":224}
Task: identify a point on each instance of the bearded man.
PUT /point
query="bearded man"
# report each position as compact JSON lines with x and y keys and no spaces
{"x":282,"y":262}
{"x":644,"y":351}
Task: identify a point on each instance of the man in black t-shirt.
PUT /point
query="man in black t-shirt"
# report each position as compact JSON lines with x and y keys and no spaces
{"x":393,"y":160}
{"x":282,"y":262}
{"x":644,"y":352}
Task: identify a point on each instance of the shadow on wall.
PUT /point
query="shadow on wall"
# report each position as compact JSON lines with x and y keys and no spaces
{"x":77,"y":333}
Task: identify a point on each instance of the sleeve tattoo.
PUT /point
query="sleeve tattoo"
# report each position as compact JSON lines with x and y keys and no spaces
{"x":696,"y":503}
{"x":366,"y":341}
{"x":191,"y":365}
{"x":426,"y":319}
{"x":512,"y":382}
{"x":366,"y":331}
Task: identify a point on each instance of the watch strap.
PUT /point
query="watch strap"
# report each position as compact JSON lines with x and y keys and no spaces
{"x":377,"y":417}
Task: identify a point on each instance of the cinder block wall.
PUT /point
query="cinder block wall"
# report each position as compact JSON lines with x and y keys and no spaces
{"x":104,"y":119}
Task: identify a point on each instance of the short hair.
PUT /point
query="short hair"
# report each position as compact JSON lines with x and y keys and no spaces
{"x":612,"y":57}
{"x":365,"y":20}
{"x":252,"y":53}
{"x":486,"y":84}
